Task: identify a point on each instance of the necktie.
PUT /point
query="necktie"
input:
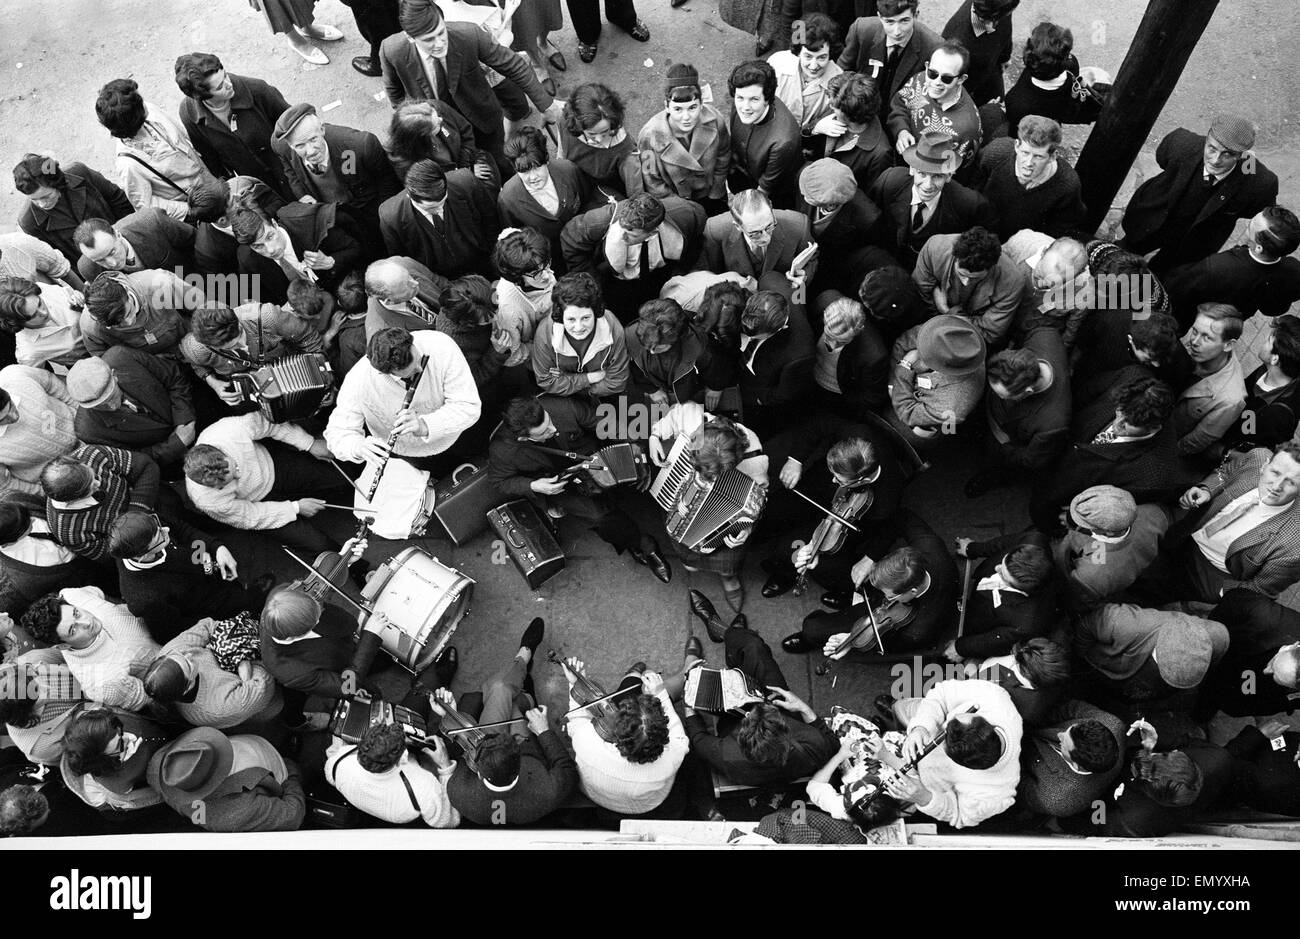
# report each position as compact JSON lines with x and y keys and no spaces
{"x":441,"y":71}
{"x":886,"y":85}
{"x":918,"y":217}
{"x":419,"y":309}
{"x":1228,"y":517}
{"x":1106,"y":436}
{"x":317,"y":169}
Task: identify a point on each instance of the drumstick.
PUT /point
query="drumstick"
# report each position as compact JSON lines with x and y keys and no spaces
{"x":351,"y":481}
{"x":349,"y":508}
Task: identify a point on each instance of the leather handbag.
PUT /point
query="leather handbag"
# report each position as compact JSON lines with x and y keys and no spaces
{"x":461,"y":502}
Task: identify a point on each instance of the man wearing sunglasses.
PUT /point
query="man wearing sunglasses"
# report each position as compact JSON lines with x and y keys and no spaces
{"x":936,"y":100}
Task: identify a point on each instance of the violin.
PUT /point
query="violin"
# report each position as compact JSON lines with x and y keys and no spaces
{"x":851,"y":502}
{"x":592,"y":698}
{"x":893,"y":614}
{"x":457,"y":727}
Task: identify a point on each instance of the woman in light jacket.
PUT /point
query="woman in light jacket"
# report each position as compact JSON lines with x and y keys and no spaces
{"x":803,"y":73}
{"x":523,"y":293}
{"x":686,"y":148}
{"x":581,"y":351}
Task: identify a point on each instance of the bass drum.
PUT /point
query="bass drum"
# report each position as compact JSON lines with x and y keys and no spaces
{"x":424,"y":601}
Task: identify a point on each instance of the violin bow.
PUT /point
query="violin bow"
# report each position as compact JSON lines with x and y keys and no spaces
{"x":464,"y":730}
{"x":357,"y":606}
{"x":965,"y":599}
{"x":825,"y":511}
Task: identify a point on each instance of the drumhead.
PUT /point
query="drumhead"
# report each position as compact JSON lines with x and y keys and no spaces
{"x":424,"y":601}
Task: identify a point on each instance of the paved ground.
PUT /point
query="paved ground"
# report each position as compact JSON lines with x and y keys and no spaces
{"x":55,"y":55}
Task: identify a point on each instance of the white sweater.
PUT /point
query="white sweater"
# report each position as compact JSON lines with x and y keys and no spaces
{"x":384,"y":796}
{"x":614,"y":782}
{"x":960,"y":796}
{"x":238,"y":503}
{"x":106,"y":669}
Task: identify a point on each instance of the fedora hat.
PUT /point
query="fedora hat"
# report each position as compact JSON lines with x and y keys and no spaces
{"x":950,"y":345}
{"x":192,"y":766}
{"x":932,"y":153}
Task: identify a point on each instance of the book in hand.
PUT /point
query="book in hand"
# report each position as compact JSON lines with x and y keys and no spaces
{"x":802,"y":258}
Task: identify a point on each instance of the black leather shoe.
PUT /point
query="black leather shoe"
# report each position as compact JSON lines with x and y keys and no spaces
{"x":445,"y":665}
{"x":640,"y":32}
{"x":703,"y":608}
{"x":694,"y":648}
{"x":532,"y":638}
{"x":586,"y":51}
{"x":780,"y":583}
{"x":654,"y":560}
{"x":796,"y":644}
{"x":367,"y":66}
{"x":837,"y":601}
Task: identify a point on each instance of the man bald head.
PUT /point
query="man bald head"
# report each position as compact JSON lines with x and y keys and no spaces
{"x":1062,"y":269}
{"x":390,"y":283}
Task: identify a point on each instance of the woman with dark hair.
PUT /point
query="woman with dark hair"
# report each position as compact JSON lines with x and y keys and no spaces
{"x":1052,"y":84}
{"x":714,"y":446}
{"x":765,"y":136}
{"x":156,"y":164}
{"x":61,"y":198}
{"x":106,"y":752}
{"x":593,"y":138}
{"x":686,"y":147}
{"x":544,"y":193}
{"x":230,"y":119}
{"x":852,"y":129}
{"x":583,"y":349}
{"x":433,"y":130}
{"x":803,"y":74}
{"x":523,"y":293}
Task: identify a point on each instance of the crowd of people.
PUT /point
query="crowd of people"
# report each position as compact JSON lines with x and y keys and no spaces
{"x":872,"y":255}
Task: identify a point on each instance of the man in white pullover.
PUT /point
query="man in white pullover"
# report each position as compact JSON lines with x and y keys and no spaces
{"x":973,"y":775}
{"x":383,"y":777}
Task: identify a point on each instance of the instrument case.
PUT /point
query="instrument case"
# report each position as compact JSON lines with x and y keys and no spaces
{"x":529,"y":540}
{"x":462,"y":504}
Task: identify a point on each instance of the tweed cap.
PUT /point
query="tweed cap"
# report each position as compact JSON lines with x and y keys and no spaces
{"x":1233,"y":131}
{"x":1107,"y":510}
{"x":90,"y":381}
{"x":1183,"y":653}
{"x":290,"y":119}
{"x":827,"y":182}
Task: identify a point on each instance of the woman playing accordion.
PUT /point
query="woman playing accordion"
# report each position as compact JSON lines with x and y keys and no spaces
{"x":713,"y":485}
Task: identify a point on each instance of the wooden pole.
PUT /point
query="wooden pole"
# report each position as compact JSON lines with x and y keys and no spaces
{"x":1169,"y":31}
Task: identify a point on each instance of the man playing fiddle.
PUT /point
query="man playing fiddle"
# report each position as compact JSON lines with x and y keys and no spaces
{"x":860,"y":480}
{"x":912,"y":591}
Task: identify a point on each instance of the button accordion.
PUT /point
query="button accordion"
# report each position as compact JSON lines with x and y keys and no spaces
{"x":699,"y":515}
{"x":288,"y":389}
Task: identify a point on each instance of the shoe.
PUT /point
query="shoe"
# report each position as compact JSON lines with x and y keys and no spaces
{"x":548,"y":84}
{"x":837,"y":601}
{"x":780,"y":582}
{"x":586,"y":51}
{"x":305,"y":49}
{"x":739,"y":621}
{"x":653,"y":559}
{"x":367,"y":66}
{"x":557,"y":61}
{"x":796,"y":644}
{"x":321,"y":32}
{"x":982,"y":482}
{"x":735,"y":595}
{"x":694,"y":649}
{"x":532,"y":638}
{"x":640,"y":32}
{"x":703,"y":608}
{"x":445,"y":665}
{"x":677,"y":3}
{"x":884,"y":704}
{"x":638,"y":667}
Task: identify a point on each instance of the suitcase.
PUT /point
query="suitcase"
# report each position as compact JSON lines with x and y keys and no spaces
{"x":328,"y":809}
{"x":529,"y":540}
{"x":461,"y":505}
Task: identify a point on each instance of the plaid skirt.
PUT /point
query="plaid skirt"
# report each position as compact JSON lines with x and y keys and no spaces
{"x":725,"y":562}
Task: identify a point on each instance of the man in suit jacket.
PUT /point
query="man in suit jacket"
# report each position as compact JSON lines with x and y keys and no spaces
{"x":1071,"y":762}
{"x":131,"y":399}
{"x":1261,"y":673}
{"x":968,"y":275}
{"x":1245,"y":534}
{"x":402,"y":292}
{"x":842,"y":220}
{"x":146,"y":240}
{"x":889,"y":48}
{"x":1124,"y":439}
{"x":922,"y":200}
{"x":58,"y":200}
{"x":448,"y":223}
{"x":331,"y":163}
{"x":776,"y":358}
{"x":754,"y":239}
{"x":432,"y":59}
{"x":229,"y":784}
{"x":1188,"y":211}
{"x":775,"y":743}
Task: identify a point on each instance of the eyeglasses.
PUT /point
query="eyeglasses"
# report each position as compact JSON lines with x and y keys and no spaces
{"x":933,"y":74}
{"x":761,"y":232}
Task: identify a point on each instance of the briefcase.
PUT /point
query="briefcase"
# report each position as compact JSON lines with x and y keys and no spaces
{"x":529,"y":540}
{"x":461,"y":504}
{"x":326,"y":808}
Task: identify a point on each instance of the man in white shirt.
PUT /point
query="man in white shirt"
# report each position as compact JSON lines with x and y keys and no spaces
{"x":383,"y":777}
{"x":372,"y":405}
{"x":46,"y":326}
{"x":633,"y":773}
{"x":234,"y":477}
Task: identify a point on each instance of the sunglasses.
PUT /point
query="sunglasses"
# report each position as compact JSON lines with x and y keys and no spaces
{"x":933,"y":74}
